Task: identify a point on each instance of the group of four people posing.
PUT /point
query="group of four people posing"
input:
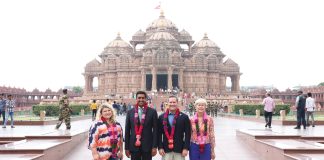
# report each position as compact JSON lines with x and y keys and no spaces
{"x":173,"y":134}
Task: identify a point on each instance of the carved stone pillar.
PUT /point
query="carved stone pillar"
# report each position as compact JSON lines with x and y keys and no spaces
{"x":153,"y":78}
{"x":237,"y":83}
{"x":143,"y":82}
{"x":170,"y":71}
{"x":180,"y":78}
{"x":86,"y":86}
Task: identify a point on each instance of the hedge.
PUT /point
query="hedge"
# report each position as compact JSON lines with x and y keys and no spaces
{"x":249,"y":109}
{"x":53,"y":109}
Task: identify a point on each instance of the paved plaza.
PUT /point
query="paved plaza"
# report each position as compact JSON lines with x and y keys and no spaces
{"x":228,"y":145}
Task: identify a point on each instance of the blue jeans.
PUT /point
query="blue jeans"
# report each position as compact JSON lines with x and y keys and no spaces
{"x":11,"y":114}
{"x":3,"y":114}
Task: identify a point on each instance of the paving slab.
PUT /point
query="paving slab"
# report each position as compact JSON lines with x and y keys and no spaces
{"x":20,"y":156}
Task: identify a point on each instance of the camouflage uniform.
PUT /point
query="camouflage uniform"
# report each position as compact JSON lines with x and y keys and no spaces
{"x":65,"y":112}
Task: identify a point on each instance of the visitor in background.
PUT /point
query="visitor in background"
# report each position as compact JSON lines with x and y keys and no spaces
{"x":106,"y":136}
{"x":310,"y":107}
{"x":269,"y":107}
{"x":2,"y":108}
{"x":65,"y":111}
{"x":300,"y":104}
{"x":141,"y":130}
{"x":10,"y":106}
{"x":94,"y":107}
{"x":174,"y":132}
{"x":202,"y":146}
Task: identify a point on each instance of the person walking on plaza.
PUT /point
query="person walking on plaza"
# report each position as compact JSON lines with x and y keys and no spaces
{"x":10,"y":106}
{"x":300,"y":104}
{"x":174,"y":132}
{"x":106,"y":136}
{"x":141,"y":130}
{"x":94,"y":107}
{"x":65,"y":111}
{"x":2,"y":108}
{"x":202,"y":146}
{"x":310,"y":107}
{"x":269,"y":107}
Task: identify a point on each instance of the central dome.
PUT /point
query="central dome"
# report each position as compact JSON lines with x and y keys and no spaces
{"x":162,"y":22}
{"x":161,"y":35}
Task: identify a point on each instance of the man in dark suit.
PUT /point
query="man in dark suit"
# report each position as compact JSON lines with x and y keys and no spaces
{"x":141,"y":130}
{"x":300,"y":104}
{"x":174,"y":132}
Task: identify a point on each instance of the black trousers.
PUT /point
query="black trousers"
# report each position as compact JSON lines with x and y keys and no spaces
{"x":94,"y":113}
{"x":268,"y":117}
{"x":141,"y":155}
{"x":301,"y":118}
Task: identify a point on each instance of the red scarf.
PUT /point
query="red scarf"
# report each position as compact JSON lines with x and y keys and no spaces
{"x":139,"y":129}
{"x":165,"y":127}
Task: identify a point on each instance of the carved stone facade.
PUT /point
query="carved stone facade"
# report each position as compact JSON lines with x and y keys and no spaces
{"x":161,"y":58}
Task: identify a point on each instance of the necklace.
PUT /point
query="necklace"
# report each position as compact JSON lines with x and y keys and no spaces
{"x":201,"y":136}
{"x":165,"y":127}
{"x":139,"y":128}
{"x":112,"y":131}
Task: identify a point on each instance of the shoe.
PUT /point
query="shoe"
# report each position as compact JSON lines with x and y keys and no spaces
{"x":266,"y":125}
{"x":313,"y":125}
{"x":12,"y":126}
{"x":4,"y":127}
{"x":297,"y":128}
{"x":270,"y":127}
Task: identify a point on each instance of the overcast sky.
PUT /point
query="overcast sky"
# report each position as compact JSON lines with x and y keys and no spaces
{"x":46,"y":44}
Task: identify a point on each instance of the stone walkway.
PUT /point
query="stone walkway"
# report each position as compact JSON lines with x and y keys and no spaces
{"x":228,"y":146}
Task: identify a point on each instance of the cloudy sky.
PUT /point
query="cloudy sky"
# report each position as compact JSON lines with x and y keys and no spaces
{"x":47,"y":43}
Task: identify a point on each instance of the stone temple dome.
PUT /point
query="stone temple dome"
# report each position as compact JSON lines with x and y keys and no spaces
{"x":206,"y":42}
{"x":162,"y":35}
{"x":162,"y":38}
{"x":118,"y":46}
{"x":118,"y":42}
{"x":139,"y":33}
{"x":184,"y":33}
{"x":162,"y":22}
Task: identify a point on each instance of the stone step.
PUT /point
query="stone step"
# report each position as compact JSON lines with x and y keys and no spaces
{"x":21,"y":156}
{"x":52,"y":145}
{"x":304,"y":156}
{"x":277,"y":148}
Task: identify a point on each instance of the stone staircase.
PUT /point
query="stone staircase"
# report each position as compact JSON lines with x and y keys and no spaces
{"x":279,"y":145}
{"x":53,"y":145}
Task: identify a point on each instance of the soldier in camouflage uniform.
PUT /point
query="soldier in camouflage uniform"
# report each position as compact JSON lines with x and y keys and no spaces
{"x":65,"y":111}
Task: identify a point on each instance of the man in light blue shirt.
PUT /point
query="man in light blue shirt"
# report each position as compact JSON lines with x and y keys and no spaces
{"x":2,"y":108}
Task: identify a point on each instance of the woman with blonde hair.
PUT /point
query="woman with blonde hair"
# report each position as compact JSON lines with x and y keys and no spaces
{"x":202,"y":143}
{"x":106,"y":136}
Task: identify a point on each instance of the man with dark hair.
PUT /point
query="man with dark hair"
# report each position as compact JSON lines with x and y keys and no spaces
{"x":310,"y":107}
{"x":300,"y":104}
{"x":174,"y":132}
{"x":269,"y":106}
{"x":10,"y":105}
{"x":2,"y":108}
{"x":65,"y":111}
{"x":141,"y":130}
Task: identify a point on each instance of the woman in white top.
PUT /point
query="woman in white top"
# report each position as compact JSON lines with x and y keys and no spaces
{"x":310,"y":108}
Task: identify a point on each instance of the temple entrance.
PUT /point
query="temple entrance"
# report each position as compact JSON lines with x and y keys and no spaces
{"x":175,"y":84}
{"x":162,"y":81}
{"x":149,"y":82}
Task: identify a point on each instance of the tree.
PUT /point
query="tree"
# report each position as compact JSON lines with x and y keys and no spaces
{"x":321,"y":84}
{"x":77,"y":89}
